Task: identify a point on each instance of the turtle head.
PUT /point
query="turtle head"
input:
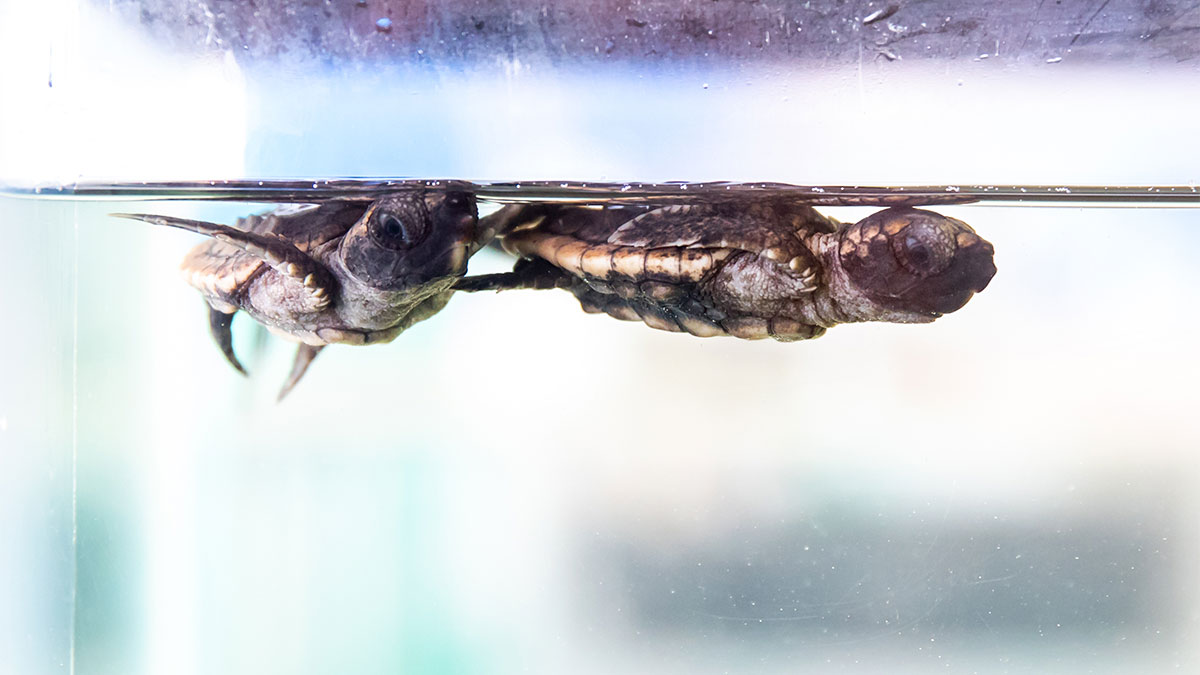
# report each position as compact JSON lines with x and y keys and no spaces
{"x":917,"y":265}
{"x":406,"y":240}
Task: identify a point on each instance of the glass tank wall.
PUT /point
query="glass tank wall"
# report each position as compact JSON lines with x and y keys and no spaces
{"x":514,"y":485}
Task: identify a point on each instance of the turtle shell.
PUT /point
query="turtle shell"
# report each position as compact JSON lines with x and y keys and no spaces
{"x":670,"y":244}
{"x":754,"y":227}
{"x":221,"y":271}
{"x":654,"y":264}
{"x":753,"y":270}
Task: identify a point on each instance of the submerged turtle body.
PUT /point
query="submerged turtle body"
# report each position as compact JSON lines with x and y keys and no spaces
{"x":338,"y":272}
{"x":775,"y":270}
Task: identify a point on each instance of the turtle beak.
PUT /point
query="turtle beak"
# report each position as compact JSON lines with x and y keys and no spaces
{"x":982,"y":266}
{"x":456,"y":260}
{"x":464,"y":242}
{"x":480,"y":233}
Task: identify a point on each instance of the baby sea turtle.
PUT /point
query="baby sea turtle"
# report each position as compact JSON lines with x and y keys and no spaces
{"x":778,"y":270}
{"x":349,"y":272}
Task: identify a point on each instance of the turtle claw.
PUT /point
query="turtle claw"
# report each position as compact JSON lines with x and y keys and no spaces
{"x":219,"y":323}
{"x":304,"y":356}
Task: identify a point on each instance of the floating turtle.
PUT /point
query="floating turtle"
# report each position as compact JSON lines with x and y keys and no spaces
{"x":349,"y":272}
{"x":765,"y":269}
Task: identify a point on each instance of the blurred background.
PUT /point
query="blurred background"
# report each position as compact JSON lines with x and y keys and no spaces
{"x":516,"y":486}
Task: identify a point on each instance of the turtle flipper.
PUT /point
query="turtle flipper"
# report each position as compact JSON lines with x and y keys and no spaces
{"x":510,"y":217}
{"x":527,"y":274}
{"x":219,"y":323}
{"x":279,"y":254}
{"x":305,"y":353}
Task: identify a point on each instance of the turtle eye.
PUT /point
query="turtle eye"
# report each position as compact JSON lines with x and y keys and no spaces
{"x":923,"y":249}
{"x":391,"y":232}
{"x":917,"y":253}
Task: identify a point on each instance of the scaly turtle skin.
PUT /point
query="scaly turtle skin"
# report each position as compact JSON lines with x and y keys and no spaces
{"x":778,"y":270}
{"x":340,"y":272}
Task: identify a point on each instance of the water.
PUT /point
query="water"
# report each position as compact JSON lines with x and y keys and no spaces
{"x":600,"y":192}
{"x":514,"y":485}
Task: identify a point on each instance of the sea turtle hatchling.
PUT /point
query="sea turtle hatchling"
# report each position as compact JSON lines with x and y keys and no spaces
{"x":765,"y":269}
{"x":349,"y":272}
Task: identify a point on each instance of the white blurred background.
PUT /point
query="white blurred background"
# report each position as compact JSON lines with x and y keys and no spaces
{"x":516,"y":486}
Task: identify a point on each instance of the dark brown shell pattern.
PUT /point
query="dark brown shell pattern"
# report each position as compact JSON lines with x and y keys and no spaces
{"x":782,"y":271}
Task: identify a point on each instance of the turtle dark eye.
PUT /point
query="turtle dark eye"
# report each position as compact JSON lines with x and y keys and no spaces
{"x":917,"y":252}
{"x":392,"y":226}
{"x":924,"y":250}
{"x":391,"y":232}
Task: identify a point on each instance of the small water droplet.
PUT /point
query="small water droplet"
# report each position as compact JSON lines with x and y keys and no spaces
{"x":704,"y":86}
{"x":1055,"y":59}
{"x":384,"y":25}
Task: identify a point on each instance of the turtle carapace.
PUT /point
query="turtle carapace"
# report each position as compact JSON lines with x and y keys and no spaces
{"x":766,"y":269}
{"x":348,"y":272}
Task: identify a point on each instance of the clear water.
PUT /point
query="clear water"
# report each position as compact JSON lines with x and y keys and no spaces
{"x":516,"y":486}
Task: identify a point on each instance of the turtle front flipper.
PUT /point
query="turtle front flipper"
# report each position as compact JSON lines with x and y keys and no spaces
{"x":279,"y":254}
{"x":305,"y":353}
{"x":219,"y":323}
{"x":536,"y":274}
{"x":509,"y":218}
